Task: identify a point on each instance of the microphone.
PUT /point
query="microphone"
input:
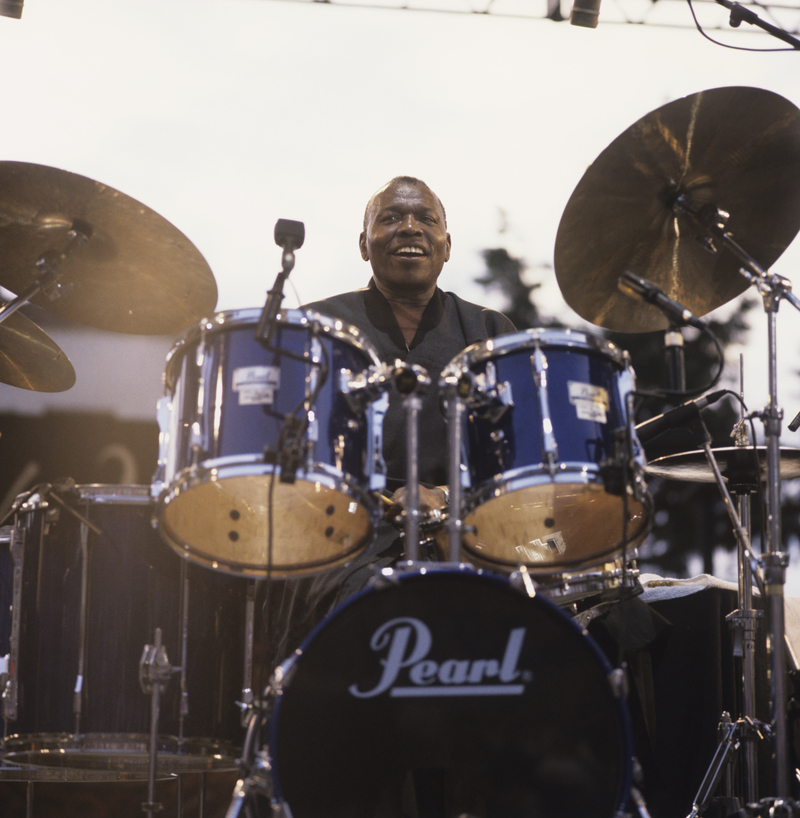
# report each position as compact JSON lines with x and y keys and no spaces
{"x":11,"y":8}
{"x":290,"y":236}
{"x":584,"y":13}
{"x":648,"y":429}
{"x":644,"y":290}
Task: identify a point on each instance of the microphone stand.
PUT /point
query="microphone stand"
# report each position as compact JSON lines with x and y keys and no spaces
{"x":711,"y":220}
{"x":266,"y":324}
{"x":740,"y":14}
{"x":675,"y":358}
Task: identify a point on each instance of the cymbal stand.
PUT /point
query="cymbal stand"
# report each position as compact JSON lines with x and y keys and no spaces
{"x":154,"y":673}
{"x":48,"y":267}
{"x":773,"y":289}
{"x":743,"y":622}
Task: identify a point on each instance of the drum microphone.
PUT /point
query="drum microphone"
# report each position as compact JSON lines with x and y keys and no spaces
{"x":644,"y":290}
{"x":289,"y":235}
{"x":584,"y":13}
{"x":648,"y":429}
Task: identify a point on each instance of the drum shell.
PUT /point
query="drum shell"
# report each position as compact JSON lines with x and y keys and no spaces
{"x":213,"y":423}
{"x":134,"y":584}
{"x":520,"y":508}
{"x":559,"y":745}
{"x":217,"y":428}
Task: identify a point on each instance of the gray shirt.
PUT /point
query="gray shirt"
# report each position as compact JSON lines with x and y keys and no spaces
{"x":449,"y":325}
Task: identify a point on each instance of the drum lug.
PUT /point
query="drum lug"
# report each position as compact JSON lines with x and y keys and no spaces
{"x":375,"y":464}
{"x":522,"y":580}
{"x":618,"y":679}
{"x":163,"y":414}
{"x":384,"y":578}
{"x":11,"y":684}
{"x":493,"y":399}
{"x":549,"y":444}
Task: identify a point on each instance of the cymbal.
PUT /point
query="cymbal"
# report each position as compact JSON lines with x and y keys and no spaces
{"x":136,"y":273}
{"x":734,"y":148}
{"x":30,"y":359}
{"x":736,"y":464}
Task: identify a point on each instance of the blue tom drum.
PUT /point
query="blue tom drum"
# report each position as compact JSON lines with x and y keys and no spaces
{"x":266,"y":459}
{"x":554,"y":470}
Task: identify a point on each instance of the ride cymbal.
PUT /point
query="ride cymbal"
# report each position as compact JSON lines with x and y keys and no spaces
{"x":30,"y":359}
{"x":737,"y":149}
{"x":135,"y":273}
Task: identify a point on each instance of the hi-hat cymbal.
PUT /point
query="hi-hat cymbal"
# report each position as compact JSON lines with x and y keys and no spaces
{"x":736,"y":464}
{"x":737,"y":149}
{"x":136,"y":273}
{"x":30,"y":359}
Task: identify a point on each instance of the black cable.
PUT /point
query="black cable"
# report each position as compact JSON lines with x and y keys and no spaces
{"x":725,"y":45}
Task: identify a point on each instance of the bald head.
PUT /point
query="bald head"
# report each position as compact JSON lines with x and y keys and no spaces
{"x":401,"y":180}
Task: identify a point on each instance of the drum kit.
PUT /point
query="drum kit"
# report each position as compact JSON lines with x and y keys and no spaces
{"x":464,"y":685}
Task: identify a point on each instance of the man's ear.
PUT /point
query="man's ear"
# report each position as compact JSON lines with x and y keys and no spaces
{"x":362,"y":246}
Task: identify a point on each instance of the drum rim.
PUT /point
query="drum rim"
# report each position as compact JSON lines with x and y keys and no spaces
{"x":528,"y":339}
{"x":390,"y":578}
{"x":101,"y":493}
{"x":533,"y":475}
{"x":231,"y":319}
{"x":120,"y":752}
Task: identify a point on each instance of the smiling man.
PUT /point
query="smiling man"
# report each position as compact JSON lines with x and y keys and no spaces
{"x":405,"y":315}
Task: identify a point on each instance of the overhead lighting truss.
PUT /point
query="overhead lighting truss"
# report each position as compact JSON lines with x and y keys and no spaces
{"x":670,"y":13}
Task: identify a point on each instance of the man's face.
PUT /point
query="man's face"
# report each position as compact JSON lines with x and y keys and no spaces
{"x":405,"y":240}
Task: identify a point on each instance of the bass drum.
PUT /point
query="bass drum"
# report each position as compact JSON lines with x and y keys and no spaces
{"x":449,"y":692}
{"x":92,"y":582}
{"x":266,"y":466}
{"x":555,"y":472}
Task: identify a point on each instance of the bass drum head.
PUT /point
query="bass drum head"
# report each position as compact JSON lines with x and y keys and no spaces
{"x":448,"y":692}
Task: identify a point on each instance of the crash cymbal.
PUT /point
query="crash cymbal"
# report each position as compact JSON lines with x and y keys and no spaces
{"x":136,"y":273}
{"x":736,"y":464}
{"x":30,"y":359}
{"x":734,"y":148}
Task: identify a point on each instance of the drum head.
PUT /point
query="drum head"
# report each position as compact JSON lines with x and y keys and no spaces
{"x":449,"y":692}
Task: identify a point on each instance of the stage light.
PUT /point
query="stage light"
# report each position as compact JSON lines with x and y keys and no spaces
{"x":11,"y":8}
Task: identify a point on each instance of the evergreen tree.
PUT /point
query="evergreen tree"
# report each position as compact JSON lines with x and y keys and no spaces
{"x":689,"y":519}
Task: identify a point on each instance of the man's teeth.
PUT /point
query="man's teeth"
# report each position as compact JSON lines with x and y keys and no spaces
{"x":417,"y":250}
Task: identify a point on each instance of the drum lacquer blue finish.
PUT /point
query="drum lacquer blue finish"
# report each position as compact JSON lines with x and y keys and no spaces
{"x":266,"y":460}
{"x":555,"y":471}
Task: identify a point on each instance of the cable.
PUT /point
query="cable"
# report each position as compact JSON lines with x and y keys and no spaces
{"x":725,"y":45}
